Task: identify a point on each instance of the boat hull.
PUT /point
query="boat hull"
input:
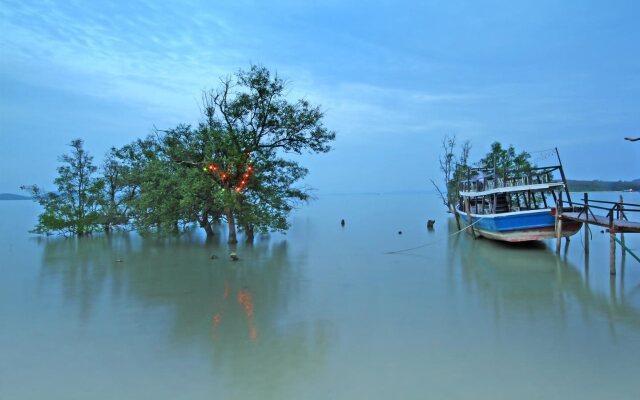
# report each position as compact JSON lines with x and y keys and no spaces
{"x":521,"y":226}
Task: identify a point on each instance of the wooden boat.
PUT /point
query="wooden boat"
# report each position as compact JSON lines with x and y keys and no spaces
{"x":517,"y":207}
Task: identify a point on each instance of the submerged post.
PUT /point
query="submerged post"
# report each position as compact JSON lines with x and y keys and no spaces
{"x":621,"y":216}
{"x":612,"y":245}
{"x":559,"y":222}
{"x":586,"y":224}
{"x":455,"y":214}
{"x":467,"y":208}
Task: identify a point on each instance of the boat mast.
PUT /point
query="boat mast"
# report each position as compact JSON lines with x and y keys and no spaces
{"x":564,"y":179}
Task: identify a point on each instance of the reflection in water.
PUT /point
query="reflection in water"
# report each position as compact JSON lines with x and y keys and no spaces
{"x":322,"y":315}
{"x":214,"y":305}
{"x":246,"y":300}
{"x":530,"y":279}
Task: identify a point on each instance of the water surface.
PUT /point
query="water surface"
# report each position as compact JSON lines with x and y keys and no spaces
{"x":321,"y":312}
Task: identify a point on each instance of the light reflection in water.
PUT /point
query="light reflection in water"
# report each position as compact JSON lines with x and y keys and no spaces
{"x":245,"y":300}
{"x":331,"y":315}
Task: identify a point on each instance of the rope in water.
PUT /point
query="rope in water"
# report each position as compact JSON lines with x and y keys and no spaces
{"x":436,"y":241}
{"x":626,"y":248}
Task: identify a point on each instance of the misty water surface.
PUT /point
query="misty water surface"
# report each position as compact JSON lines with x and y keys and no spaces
{"x":319,"y":313}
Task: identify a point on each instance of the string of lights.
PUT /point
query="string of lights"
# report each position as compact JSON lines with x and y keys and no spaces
{"x":226,"y":175}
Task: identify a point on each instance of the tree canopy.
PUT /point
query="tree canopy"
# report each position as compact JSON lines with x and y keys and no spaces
{"x":455,"y":166}
{"x":232,"y":166}
{"x":505,"y":160}
{"x":73,"y":208}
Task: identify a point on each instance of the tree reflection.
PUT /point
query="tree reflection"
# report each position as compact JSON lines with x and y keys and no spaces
{"x":245,"y":314}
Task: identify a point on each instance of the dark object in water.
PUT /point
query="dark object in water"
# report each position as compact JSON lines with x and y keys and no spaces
{"x":234,"y":257}
{"x":430,"y":223}
{"x":399,"y":232}
{"x":213,"y":257}
{"x":342,"y":222}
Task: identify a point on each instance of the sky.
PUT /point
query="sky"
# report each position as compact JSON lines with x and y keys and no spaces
{"x":393,"y":78}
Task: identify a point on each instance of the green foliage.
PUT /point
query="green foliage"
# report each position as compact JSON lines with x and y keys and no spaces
{"x":272,"y":195}
{"x":506,"y":161}
{"x":162,"y":196}
{"x":252,"y":116}
{"x":114,"y":192}
{"x":254,"y":111}
{"x":72,"y":210}
{"x":162,"y":183}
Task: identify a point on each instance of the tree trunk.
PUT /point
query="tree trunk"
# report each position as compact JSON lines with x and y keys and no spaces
{"x":207,"y":228}
{"x":452,"y":209}
{"x":249,"y":232}
{"x":232,"y":226}
{"x":205,"y":224}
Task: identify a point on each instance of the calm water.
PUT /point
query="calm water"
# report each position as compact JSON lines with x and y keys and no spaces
{"x":319,"y":313}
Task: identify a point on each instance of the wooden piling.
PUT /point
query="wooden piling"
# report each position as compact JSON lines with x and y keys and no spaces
{"x":621,"y":216}
{"x":586,"y":224}
{"x":612,"y":245}
{"x":559,"y":223}
{"x":615,"y":222}
{"x":467,"y":208}
{"x":455,"y":213}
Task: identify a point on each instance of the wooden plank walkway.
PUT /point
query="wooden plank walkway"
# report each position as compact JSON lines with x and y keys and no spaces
{"x":619,"y":226}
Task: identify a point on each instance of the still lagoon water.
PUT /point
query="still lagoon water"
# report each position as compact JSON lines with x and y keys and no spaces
{"x":319,"y":313}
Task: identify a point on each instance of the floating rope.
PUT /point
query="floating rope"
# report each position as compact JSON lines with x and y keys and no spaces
{"x":436,"y":241}
{"x":626,"y":248}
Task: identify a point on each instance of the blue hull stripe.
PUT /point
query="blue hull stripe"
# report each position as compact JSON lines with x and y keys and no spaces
{"x":513,"y":222}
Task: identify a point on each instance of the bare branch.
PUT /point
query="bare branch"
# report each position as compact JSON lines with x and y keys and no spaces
{"x":442,"y":195}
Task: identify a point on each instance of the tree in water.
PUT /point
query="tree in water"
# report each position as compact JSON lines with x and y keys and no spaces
{"x":155,"y":196}
{"x":115,"y":191}
{"x":232,"y":166}
{"x":73,"y":208}
{"x":248,"y":127}
{"x":454,"y":169}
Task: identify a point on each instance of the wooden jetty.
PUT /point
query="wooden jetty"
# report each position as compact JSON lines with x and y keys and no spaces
{"x":608,"y":214}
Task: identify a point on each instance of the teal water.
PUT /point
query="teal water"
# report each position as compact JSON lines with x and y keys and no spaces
{"x":319,"y":313}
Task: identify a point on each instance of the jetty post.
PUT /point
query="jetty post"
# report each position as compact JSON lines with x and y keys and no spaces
{"x":586,"y":224}
{"x":612,"y":245}
{"x":615,"y":221}
{"x":558,"y":222}
{"x":622,"y":216}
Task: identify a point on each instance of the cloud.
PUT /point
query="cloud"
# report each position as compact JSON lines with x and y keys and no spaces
{"x":145,"y":55}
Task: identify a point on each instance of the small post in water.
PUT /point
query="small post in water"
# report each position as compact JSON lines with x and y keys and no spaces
{"x":586,"y":224}
{"x":621,"y":216}
{"x":612,"y":245}
{"x":558,"y":223}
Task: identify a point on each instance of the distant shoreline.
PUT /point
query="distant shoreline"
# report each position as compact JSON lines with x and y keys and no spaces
{"x":11,"y":196}
{"x":603,"y":186}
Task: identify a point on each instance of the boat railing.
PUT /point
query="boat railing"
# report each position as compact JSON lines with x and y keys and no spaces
{"x":489,"y":183}
{"x":614,"y":210}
